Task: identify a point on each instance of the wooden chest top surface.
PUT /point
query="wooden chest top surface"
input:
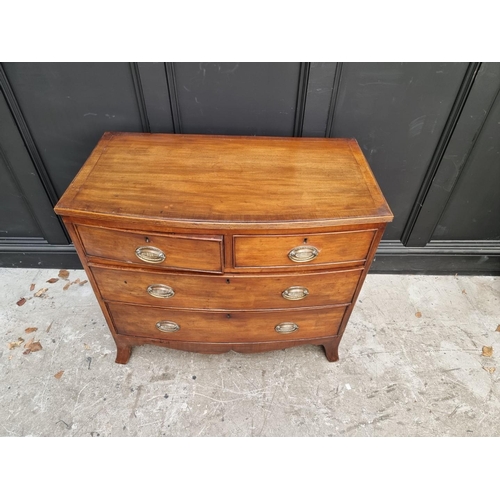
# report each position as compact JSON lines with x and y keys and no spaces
{"x":226,"y":181}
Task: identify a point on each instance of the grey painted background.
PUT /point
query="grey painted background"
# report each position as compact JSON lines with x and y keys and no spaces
{"x":430,"y":131}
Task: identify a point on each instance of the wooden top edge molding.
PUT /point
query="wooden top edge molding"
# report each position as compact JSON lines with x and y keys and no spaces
{"x":301,"y":182}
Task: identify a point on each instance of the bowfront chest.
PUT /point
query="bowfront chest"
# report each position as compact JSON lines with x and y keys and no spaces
{"x":218,"y":243}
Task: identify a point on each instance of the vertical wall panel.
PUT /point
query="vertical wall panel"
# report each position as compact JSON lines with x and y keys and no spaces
{"x":24,"y":202}
{"x":153,"y":79}
{"x":68,"y":106}
{"x":473,"y":212}
{"x":319,"y":97}
{"x":397,"y":112}
{"x":237,"y":98}
{"x":471,"y":110}
{"x":15,"y":217}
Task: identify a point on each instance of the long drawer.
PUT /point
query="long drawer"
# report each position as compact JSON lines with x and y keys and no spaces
{"x":302,"y":250}
{"x":225,"y":326}
{"x":190,"y":252}
{"x":164,"y":289}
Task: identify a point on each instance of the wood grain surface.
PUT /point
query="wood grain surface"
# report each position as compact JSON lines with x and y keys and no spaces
{"x":185,"y":177}
{"x":226,"y":326}
{"x":272,"y":251}
{"x":225,"y":213}
{"x":181,"y":251}
{"x":228,"y":291}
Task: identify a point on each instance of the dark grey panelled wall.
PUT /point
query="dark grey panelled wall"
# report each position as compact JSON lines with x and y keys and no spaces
{"x":68,"y":106}
{"x":240,"y":99}
{"x":473,"y":211}
{"x":429,"y":130}
{"x":397,"y":112}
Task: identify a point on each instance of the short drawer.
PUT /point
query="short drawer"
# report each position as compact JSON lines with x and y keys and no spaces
{"x":277,"y":291}
{"x":225,"y":326}
{"x":302,"y":250}
{"x":190,"y":252}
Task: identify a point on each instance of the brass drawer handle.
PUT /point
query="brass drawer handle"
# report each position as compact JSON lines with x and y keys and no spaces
{"x":161,"y":291}
{"x":167,"y":326}
{"x":295,"y":293}
{"x":286,"y":328}
{"x":304,"y":253}
{"x":150,"y":254}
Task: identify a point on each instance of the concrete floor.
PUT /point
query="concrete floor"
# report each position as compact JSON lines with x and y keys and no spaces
{"x":401,"y":373}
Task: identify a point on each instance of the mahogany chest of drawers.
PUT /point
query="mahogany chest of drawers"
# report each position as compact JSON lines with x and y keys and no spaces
{"x":218,"y":243}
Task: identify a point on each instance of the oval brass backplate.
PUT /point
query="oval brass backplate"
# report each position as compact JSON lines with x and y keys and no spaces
{"x":286,"y":327}
{"x":167,"y":326}
{"x":161,"y":291}
{"x":150,"y":254}
{"x":303,"y":253}
{"x":295,"y":293}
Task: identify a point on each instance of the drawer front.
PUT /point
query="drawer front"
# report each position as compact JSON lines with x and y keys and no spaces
{"x":198,"y":253}
{"x":228,"y":291}
{"x":302,"y":250}
{"x":226,"y":326}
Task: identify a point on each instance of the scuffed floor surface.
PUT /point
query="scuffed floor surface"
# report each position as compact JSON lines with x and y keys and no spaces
{"x":411,"y":365}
